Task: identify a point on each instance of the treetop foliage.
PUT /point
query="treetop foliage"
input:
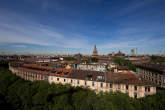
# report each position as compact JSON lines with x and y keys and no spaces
{"x":70,"y":58}
{"x":93,"y":59}
{"x":123,"y":62}
{"x":157,"y":58}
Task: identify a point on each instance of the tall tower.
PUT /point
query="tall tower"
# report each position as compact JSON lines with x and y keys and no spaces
{"x":95,"y":54}
{"x":133,"y":52}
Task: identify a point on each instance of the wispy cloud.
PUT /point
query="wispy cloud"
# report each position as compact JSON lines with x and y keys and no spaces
{"x":19,"y":46}
{"x":76,"y":25}
{"x":27,"y":31}
{"x":133,"y":6}
{"x":144,"y":45}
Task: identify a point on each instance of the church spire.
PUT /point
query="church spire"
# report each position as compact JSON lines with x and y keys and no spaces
{"x":95,"y":51}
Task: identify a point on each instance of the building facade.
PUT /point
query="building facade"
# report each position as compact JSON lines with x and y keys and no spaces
{"x":106,"y":82}
{"x":92,"y":66}
{"x":153,"y":72}
{"x":30,"y":72}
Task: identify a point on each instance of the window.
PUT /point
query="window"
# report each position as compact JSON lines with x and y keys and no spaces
{"x":57,"y":79}
{"x":148,"y":89}
{"x":110,"y":85}
{"x":64,"y":80}
{"x":145,"y":88}
{"x":118,"y":86}
{"x":100,"y":77}
{"x":71,"y":81}
{"x":135,"y":88}
{"x":85,"y":83}
{"x":93,"y":84}
{"x":126,"y":87}
{"x":135,"y":95}
{"x":106,"y":85}
{"x":78,"y":82}
{"x":156,"y":81}
{"x":101,"y":84}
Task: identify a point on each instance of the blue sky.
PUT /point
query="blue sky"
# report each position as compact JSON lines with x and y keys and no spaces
{"x":72,"y":26}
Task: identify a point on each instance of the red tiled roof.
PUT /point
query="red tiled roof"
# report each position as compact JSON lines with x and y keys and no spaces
{"x":61,"y":72}
{"x":84,"y":74}
{"x":33,"y":71}
{"x":128,"y":78}
{"x":38,"y":66}
{"x":122,"y":67}
{"x":77,"y":74}
{"x":157,"y":67}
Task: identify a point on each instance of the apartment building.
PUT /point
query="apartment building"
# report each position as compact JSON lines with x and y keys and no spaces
{"x":125,"y":82}
{"x":106,"y":82}
{"x":30,"y":72}
{"x":153,"y":72}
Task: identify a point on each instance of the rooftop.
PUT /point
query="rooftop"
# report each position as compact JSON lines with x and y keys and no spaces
{"x":154,"y":67}
{"x":126,"y":78}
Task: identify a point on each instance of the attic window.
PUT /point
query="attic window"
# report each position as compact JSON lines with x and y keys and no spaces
{"x":66,"y":72}
{"x":89,"y":75}
{"x":53,"y":71}
{"x":100,"y":77}
{"x":59,"y":72}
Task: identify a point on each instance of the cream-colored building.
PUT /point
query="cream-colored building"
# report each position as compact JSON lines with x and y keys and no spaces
{"x":153,"y":72}
{"x":91,"y":67}
{"x":125,"y":82}
{"x":99,"y":81}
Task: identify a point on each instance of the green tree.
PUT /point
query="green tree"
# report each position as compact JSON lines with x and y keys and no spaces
{"x":123,"y":62}
{"x":93,"y":59}
{"x":157,"y":58}
{"x":70,"y":58}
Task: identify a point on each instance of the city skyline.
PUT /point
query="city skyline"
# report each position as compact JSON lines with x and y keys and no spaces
{"x":59,"y":26}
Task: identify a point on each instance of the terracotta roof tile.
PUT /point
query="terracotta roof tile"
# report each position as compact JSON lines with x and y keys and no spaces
{"x":32,"y":70}
{"x":38,"y":66}
{"x":128,"y":78}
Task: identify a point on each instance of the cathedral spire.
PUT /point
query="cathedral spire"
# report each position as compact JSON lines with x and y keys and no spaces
{"x":95,"y":51}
